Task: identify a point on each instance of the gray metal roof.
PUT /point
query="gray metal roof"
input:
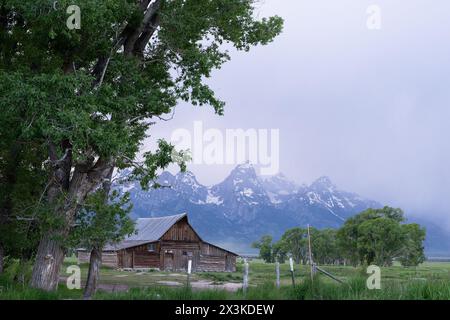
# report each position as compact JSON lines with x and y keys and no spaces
{"x":147,"y":230}
{"x":152,"y":229}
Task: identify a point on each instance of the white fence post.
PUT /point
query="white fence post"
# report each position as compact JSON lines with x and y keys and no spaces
{"x":291,"y":264}
{"x":277,"y":267}
{"x":245,"y":284}
{"x":189,"y":271}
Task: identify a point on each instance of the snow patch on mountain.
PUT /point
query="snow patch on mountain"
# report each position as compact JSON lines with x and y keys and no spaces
{"x":213,"y":199}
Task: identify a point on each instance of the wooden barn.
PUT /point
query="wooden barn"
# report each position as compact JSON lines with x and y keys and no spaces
{"x":165,"y":243}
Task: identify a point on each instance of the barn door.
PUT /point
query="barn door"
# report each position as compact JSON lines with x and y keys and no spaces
{"x":185,"y":257}
{"x":127,"y":260}
{"x":228,"y":263}
{"x":168,"y":261}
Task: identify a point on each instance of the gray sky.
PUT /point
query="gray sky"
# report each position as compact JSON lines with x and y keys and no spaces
{"x":369,"y":108}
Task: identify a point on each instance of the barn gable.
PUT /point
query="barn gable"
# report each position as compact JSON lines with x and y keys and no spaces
{"x":181,"y":231}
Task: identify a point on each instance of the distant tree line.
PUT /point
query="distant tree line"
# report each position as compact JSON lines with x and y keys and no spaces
{"x":375,"y":236}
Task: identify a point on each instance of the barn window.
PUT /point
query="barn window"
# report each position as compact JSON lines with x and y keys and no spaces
{"x":151,"y":247}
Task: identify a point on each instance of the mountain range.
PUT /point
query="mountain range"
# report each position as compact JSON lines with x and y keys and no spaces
{"x":245,"y":206}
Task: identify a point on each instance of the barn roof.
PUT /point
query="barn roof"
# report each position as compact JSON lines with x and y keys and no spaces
{"x":147,"y":230}
{"x":152,"y":229}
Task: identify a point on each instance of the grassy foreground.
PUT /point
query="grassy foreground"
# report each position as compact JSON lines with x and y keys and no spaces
{"x":429,"y":281}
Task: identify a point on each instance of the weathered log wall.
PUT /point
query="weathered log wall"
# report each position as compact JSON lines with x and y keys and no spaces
{"x":175,"y":255}
{"x":215,"y":259}
{"x":109,"y":259}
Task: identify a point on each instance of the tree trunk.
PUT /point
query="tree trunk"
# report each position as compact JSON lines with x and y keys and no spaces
{"x":94,"y":273}
{"x":49,"y":259}
{"x":50,"y":255}
{"x":2,"y":252}
{"x":96,"y":253}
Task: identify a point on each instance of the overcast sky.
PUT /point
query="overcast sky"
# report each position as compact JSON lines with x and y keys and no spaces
{"x":368,"y":108}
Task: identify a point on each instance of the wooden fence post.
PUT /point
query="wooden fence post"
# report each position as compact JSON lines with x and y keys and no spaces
{"x":245,"y":284}
{"x":277,"y":268}
{"x":291,"y":264}
{"x":189,"y":270}
{"x":310,"y":255}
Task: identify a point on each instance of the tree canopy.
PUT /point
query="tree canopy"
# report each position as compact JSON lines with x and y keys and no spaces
{"x":375,"y":236}
{"x":380,"y":235}
{"x":86,"y":98}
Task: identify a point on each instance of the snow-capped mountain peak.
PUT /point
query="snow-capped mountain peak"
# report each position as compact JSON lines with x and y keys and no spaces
{"x":248,"y":202}
{"x":241,"y":190}
{"x":243,"y":172}
{"x":323,"y":183}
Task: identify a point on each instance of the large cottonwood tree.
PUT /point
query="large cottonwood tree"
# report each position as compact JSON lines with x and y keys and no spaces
{"x":90,"y":95}
{"x":379,"y":236}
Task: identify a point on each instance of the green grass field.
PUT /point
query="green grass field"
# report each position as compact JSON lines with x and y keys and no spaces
{"x":430,"y":280}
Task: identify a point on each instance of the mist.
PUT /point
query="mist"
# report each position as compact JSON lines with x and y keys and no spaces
{"x":368,"y":108}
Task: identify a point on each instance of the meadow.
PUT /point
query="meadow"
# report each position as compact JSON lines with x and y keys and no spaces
{"x":429,"y":281}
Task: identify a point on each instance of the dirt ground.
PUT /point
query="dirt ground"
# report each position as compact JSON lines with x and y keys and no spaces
{"x":196,"y":285}
{"x":204,"y":284}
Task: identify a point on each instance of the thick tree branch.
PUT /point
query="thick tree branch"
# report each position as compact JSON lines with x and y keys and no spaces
{"x":150,"y":15}
{"x":128,"y":37}
{"x":147,"y":33}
